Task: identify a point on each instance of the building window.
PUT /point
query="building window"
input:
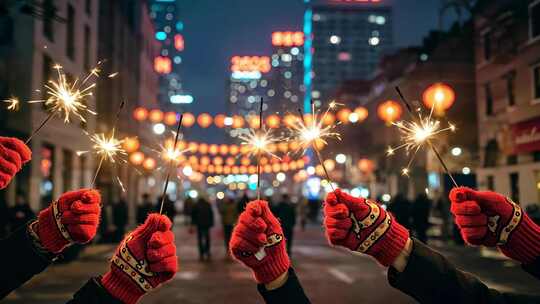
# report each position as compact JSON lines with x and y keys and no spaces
{"x":489,"y":99}
{"x":514,"y":187}
{"x":88,"y":7}
{"x":536,"y":84}
{"x":490,"y":182}
{"x":67,"y":169}
{"x":48,"y":19}
{"x":491,"y":154}
{"x":87,"y":47}
{"x":536,"y":156}
{"x":70,"y":36}
{"x":511,"y":160}
{"x":488,"y":47}
{"x":510,"y":89}
{"x":534,"y":19}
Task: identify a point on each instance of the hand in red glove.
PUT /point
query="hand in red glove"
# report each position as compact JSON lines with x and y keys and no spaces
{"x":257,"y":241}
{"x":13,"y":155}
{"x":363,"y":226}
{"x":74,"y":218}
{"x":145,"y":259}
{"x":490,"y":219}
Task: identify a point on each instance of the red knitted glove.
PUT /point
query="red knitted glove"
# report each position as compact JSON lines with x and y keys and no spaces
{"x":74,"y":218}
{"x":145,"y":259}
{"x":257,"y":241}
{"x":13,"y":155}
{"x":490,"y":219}
{"x":363,"y":226}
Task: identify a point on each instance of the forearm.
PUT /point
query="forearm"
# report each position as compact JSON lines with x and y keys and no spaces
{"x":93,"y":293}
{"x":285,"y":289}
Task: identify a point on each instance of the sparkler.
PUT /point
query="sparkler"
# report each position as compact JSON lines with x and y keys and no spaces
{"x":13,"y":104}
{"x":173,"y":154}
{"x":312,"y":133}
{"x":417,"y":132}
{"x":259,"y":141}
{"x":66,"y":98}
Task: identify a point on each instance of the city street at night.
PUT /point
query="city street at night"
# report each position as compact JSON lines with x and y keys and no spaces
{"x":269,"y":151}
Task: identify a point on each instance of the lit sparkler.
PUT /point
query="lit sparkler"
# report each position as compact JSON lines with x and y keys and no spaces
{"x":13,"y":104}
{"x":313,"y":133}
{"x":418,"y":132}
{"x":68,"y":98}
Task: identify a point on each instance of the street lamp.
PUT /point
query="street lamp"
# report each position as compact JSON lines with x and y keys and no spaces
{"x":341,"y":158}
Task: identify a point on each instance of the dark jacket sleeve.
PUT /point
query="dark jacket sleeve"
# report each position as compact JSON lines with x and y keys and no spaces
{"x":93,"y":293}
{"x":20,"y":260}
{"x":534,"y":268}
{"x":431,"y":278}
{"x":291,"y":292}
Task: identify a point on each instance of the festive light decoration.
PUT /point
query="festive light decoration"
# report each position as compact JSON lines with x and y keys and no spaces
{"x":188,"y":121}
{"x":149,"y":164}
{"x":204,"y":120}
{"x":179,"y":43}
{"x":140,"y":114}
{"x":288,"y":39}
{"x":131,"y":144}
{"x":162,"y":65}
{"x":440,"y":97}
{"x":343,"y":115}
{"x":366,"y":165}
{"x":389,"y":111}
{"x":170,"y":118}
{"x":362,"y":113}
{"x":155,"y":116}
{"x":250,"y":64}
{"x":136,"y":158}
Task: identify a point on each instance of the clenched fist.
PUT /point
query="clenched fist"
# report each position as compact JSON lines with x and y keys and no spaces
{"x":13,"y":155}
{"x":258,"y":242}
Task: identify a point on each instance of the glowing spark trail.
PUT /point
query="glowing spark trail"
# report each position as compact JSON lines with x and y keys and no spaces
{"x":13,"y":104}
{"x":418,"y":132}
{"x":67,"y":98}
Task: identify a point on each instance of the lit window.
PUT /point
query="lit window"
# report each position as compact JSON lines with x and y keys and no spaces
{"x":344,"y":56}
{"x":334,"y":39}
{"x":374,"y":41}
{"x":380,"y":20}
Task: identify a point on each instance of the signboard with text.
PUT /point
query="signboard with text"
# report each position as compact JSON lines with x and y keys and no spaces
{"x":526,"y":136}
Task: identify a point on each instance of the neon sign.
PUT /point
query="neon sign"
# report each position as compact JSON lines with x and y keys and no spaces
{"x":250,"y":64}
{"x":162,"y":65}
{"x":287,"y":38}
{"x":179,"y":42}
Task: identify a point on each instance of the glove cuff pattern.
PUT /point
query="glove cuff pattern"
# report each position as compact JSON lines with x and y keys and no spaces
{"x":523,"y":240}
{"x":52,"y":233}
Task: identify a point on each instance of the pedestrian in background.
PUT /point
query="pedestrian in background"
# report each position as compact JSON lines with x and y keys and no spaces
{"x":303,"y":212}
{"x":120,"y":218}
{"x":144,"y":208}
{"x":188,"y":207}
{"x":401,"y":209}
{"x":202,"y":217}
{"x":228,"y":211}
{"x":242,"y":202}
{"x":420,"y":216}
{"x":21,"y":213}
{"x":169,"y":209}
{"x":286,"y":212}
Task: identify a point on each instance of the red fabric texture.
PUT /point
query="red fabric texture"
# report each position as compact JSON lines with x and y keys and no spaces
{"x":153,"y":242}
{"x":80,"y":211}
{"x":13,"y":155}
{"x":481,"y":217}
{"x":258,"y":228}
{"x":338,"y":208}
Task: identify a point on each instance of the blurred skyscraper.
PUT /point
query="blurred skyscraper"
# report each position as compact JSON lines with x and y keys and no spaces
{"x":168,"y":26}
{"x":345,"y":40}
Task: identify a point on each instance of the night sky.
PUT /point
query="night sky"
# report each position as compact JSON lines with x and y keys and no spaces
{"x":216,"y":30}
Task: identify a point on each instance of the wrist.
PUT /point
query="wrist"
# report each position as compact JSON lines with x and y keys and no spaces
{"x":524,"y":242}
{"x":403,"y":258}
{"x":119,"y":286}
{"x":277,"y":283}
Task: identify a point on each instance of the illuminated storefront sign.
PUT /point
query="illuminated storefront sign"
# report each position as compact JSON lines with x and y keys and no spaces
{"x":250,"y":64}
{"x":288,"y":39}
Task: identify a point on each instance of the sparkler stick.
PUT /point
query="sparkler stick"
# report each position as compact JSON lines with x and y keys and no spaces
{"x":419,"y":132}
{"x":170,"y":164}
{"x":43,"y":123}
{"x":259,"y":152}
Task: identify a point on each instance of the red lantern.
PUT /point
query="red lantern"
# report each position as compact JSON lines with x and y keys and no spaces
{"x":343,"y":115}
{"x":204,"y":120}
{"x":254,"y":122}
{"x":230,"y":161}
{"x":136,"y":158}
{"x":290,"y":120}
{"x":205,"y":160}
{"x":155,"y":116}
{"x":362,"y":113}
{"x":440,"y":97}
{"x":219,"y":120}
{"x":131,"y":144}
{"x":218,"y":161}
{"x":140,"y":114}
{"x":203,"y":148}
{"x":213,"y":149}
{"x":272,"y":121}
{"x":149,"y":164}
{"x":329,"y":119}
{"x":223,"y":149}
{"x":365,"y":165}
{"x":234,"y":149}
{"x":170,"y":118}
{"x":389,"y":111}
{"x":238,"y":122}
{"x":188,"y":120}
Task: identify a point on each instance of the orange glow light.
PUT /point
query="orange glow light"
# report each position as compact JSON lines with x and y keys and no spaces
{"x":362,"y":113}
{"x":250,"y":64}
{"x":204,"y":120}
{"x":223,"y":149}
{"x":140,"y":114}
{"x":170,"y":118}
{"x":272,"y":121}
{"x":203,"y":148}
{"x":238,"y":122}
{"x":343,"y":115}
{"x":131,"y":144}
{"x":179,"y":42}
{"x":440,"y":96}
{"x":219,"y":120}
{"x":288,"y":39}
{"x":188,"y":120}
{"x":136,"y":158}
{"x":155,"y":116}
{"x":162,"y":65}
{"x":389,"y":111}
{"x":213,"y":149}
{"x":149,"y":163}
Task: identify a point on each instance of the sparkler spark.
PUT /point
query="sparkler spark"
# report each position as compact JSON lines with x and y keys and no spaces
{"x":313,"y":132}
{"x":109,"y":148}
{"x":13,"y":104}
{"x":259,"y":141}
{"x":416,"y":133}
{"x":68,"y":98}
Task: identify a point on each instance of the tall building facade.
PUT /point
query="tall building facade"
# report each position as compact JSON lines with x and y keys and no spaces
{"x":169,"y":31}
{"x":345,"y":40}
{"x":508,"y":97}
{"x":287,"y":71}
{"x":248,"y":83}
{"x":34,"y":38}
